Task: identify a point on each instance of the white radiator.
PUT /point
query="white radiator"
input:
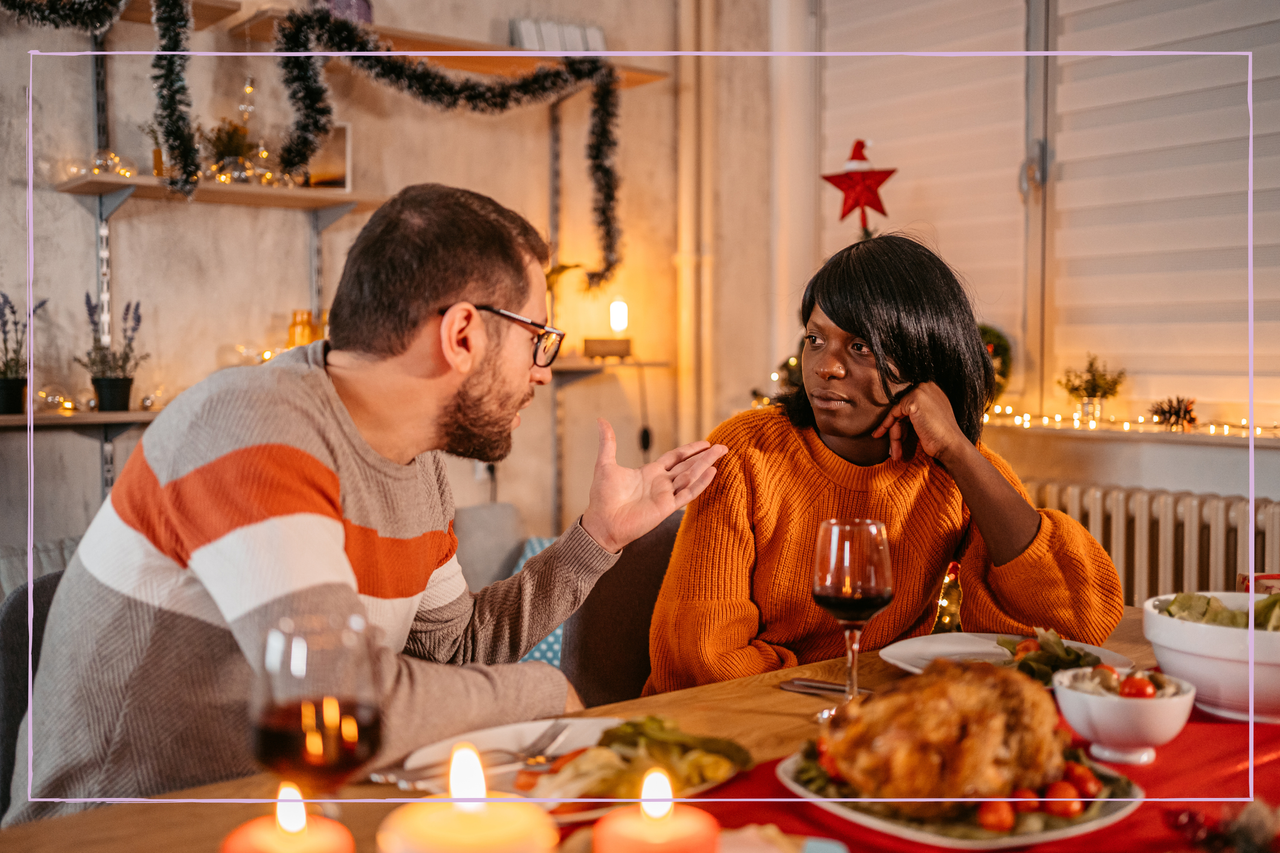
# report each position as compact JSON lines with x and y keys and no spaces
{"x":1163,"y":542}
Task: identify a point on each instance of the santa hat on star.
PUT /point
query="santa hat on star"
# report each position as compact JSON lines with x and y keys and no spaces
{"x":860,"y":184}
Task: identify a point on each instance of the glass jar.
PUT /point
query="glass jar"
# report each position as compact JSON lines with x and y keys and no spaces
{"x":300,"y":329}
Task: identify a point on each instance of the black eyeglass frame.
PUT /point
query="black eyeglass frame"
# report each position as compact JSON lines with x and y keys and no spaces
{"x":543,"y":330}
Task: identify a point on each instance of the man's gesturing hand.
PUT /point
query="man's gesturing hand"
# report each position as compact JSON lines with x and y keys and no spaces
{"x":627,"y":503}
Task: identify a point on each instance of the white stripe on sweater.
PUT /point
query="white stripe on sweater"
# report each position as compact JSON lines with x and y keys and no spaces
{"x":446,"y":584}
{"x":125,"y":560}
{"x":258,"y":563}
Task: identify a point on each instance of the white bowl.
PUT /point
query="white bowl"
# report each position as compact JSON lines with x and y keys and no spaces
{"x":1121,"y":729}
{"x":1215,"y":659}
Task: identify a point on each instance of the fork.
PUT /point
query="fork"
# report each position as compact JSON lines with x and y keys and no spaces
{"x":534,"y":753}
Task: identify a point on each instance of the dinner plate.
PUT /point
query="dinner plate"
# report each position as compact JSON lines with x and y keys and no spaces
{"x":915,"y":654}
{"x":582,"y":731}
{"x":1112,"y":811}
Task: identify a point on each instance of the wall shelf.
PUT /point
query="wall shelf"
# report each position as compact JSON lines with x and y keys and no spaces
{"x":46,"y":420}
{"x":249,"y":195}
{"x":261,"y":27}
{"x":204,"y":13}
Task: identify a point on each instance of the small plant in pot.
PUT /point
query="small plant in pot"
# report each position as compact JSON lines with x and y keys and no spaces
{"x":13,"y":369}
{"x":1091,"y":386}
{"x":112,"y":370}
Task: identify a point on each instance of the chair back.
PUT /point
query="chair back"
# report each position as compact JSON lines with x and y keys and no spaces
{"x":605,"y":653}
{"x":13,"y":666}
{"x":490,"y":539}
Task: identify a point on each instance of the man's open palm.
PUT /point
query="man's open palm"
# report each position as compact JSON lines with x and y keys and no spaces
{"x":627,"y":503}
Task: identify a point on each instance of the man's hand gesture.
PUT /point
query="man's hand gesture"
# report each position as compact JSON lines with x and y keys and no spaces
{"x":627,"y":503}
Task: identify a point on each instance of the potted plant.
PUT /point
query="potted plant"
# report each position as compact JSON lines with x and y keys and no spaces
{"x":1091,"y":386}
{"x":1176,"y":413}
{"x":112,"y":371}
{"x":13,"y":369}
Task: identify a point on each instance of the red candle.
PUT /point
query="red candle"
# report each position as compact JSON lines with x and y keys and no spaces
{"x":657,"y":827}
{"x":277,"y":833}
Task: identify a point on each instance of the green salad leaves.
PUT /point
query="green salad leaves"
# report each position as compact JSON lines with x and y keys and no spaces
{"x":1209,"y":610}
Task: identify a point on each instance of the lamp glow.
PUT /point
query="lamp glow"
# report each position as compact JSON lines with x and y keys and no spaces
{"x":291,"y":814}
{"x":655,"y":789}
{"x":466,"y":777}
{"x":618,"y":315}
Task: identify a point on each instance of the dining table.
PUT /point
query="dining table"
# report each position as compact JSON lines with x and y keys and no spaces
{"x":1209,"y":760}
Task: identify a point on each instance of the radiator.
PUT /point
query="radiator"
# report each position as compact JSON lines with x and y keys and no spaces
{"x":1163,"y":542}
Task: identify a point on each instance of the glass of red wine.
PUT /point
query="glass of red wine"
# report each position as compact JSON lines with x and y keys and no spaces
{"x":316,"y":717}
{"x":852,"y":580}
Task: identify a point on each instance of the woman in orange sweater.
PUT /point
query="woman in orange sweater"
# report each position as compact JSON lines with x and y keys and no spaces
{"x":896,"y":379}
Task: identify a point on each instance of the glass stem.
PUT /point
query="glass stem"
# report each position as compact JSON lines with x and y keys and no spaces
{"x":851,"y":637}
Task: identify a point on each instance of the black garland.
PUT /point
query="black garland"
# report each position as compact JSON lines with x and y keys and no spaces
{"x":92,"y":17}
{"x":172,"y":23}
{"x":301,"y":32}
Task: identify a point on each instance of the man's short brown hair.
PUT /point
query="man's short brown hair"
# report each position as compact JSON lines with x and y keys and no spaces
{"x":423,"y":250}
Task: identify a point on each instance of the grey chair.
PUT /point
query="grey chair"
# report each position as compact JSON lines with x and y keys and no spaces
{"x":605,"y":651}
{"x":13,"y":666}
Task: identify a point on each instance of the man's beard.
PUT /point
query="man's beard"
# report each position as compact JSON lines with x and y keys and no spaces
{"x":477,"y":422}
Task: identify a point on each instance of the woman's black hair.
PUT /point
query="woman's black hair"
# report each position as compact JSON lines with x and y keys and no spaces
{"x":910,"y":308}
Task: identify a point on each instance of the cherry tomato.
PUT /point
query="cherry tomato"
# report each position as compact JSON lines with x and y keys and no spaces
{"x":526,"y":779}
{"x":1137,"y":687}
{"x":1082,"y":777}
{"x":1062,"y":800}
{"x":1025,"y":648}
{"x":996,"y":816}
{"x":1029,"y":800}
{"x":1108,"y":667}
{"x":559,"y":763}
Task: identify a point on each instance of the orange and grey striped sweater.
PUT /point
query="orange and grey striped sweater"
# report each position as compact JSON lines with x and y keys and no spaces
{"x":737,"y":597}
{"x":253,"y":497}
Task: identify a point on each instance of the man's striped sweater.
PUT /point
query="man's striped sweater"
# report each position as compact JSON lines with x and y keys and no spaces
{"x":253,"y":497}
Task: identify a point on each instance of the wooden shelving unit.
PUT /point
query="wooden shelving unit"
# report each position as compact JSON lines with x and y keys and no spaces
{"x":261,"y":27}
{"x":204,"y":13}
{"x":249,"y":195}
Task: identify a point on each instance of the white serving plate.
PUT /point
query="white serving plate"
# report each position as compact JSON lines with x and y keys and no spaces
{"x":1112,"y":811}
{"x":1216,"y":659}
{"x":915,"y":654}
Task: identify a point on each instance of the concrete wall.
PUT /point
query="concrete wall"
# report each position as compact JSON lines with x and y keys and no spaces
{"x":214,"y":277}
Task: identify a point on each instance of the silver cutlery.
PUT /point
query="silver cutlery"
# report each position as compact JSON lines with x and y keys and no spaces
{"x":533,"y":755}
{"x":814,"y":687}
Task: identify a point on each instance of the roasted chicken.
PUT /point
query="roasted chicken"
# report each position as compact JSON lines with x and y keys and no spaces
{"x":955,"y":730}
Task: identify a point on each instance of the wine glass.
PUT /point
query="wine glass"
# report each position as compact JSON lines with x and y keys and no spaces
{"x":852,"y":580}
{"x":316,"y":718}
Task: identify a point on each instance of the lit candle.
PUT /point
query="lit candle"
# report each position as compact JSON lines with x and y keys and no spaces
{"x":291,"y":830}
{"x":656,"y":826}
{"x":433,"y":826}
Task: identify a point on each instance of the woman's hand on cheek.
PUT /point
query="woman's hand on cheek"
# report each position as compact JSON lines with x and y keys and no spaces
{"x":926,"y":411}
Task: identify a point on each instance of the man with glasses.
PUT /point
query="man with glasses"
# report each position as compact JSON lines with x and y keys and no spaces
{"x":314,"y":484}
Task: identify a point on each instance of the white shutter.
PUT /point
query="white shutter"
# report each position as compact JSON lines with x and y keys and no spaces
{"x":1147,"y":203}
{"x":954,"y":128}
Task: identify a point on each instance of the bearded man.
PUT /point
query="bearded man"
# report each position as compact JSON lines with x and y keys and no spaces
{"x":314,"y":485}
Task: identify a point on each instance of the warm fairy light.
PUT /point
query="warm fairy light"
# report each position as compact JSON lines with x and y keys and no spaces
{"x":1155,"y":419}
{"x":985,"y":417}
{"x":1044,"y":421}
{"x":266,"y":356}
{"x":792,"y":361}
{"x":656,"y":787}
{"x":1226,"y":430}
{"x":1126,"y":426}
{"x":1140,"y":418}
{"x":1057,"y":419}
{"x":618,"y":315}
{"x":466,"y":777}
{"x":1018,"y":420}
{"x":1212,"y":429}
{"x":773,"y":376}
{"x":291,"y":813}
{"x":1093,"y":424}
{"x":1244,"y":422}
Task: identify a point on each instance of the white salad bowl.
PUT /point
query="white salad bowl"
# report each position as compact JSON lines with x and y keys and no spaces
{"x":1215,"y":659}
{"x":1120,"y":729}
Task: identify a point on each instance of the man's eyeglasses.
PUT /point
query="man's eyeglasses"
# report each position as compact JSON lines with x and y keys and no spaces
{"x":546,"y":345}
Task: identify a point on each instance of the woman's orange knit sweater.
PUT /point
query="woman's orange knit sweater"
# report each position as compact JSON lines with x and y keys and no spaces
{"x":737,"y":597}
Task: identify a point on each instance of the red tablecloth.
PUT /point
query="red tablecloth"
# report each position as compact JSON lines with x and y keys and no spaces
{"x":1208,"y":759}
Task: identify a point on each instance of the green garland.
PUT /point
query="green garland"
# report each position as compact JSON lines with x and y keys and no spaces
{"x":302,"y":32}
{"x":173,"y":101}
{"x":87,"y":15}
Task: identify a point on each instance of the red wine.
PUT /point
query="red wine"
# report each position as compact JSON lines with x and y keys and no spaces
{"x":853,"y":611}
{"x":318,"y":743}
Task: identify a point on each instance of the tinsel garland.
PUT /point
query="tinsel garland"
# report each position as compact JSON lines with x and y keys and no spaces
{"x":88,"y":15}
{"x":303,"y":32}
{"x":173,"y":24}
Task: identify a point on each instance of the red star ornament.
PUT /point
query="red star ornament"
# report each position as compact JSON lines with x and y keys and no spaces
{"x":860,"y":184}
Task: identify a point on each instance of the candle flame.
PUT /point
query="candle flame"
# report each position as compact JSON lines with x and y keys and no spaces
{"x":291,"y":814}
{"x":466,"y":777}
{"x":656,"y":786}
